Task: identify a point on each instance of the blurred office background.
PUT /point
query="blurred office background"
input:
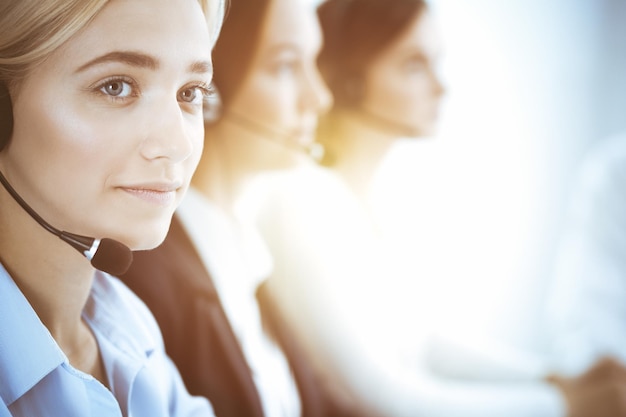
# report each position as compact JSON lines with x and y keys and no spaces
{"x":532,"y":85}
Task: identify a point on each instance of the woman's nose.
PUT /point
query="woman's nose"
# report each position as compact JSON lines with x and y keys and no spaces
{"x":438,"y":87}
{"x":316,"y":93}
{"x":169,"y":134}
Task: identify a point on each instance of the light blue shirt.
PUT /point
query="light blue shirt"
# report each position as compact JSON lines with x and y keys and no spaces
{"x":36,"y":378}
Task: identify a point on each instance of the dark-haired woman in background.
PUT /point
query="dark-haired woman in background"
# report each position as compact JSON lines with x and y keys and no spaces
{"x":337,"y":278}
{"x":206,"y":281}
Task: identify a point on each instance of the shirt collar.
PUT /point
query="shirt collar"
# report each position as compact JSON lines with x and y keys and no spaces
{"x":109,"y":316}
{"x":27,"y":350}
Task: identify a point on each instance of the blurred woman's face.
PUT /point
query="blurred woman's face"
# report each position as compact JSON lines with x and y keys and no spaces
{"x":109,"y":129}
{"x":283,"y":94}
{"x":402,"y":86}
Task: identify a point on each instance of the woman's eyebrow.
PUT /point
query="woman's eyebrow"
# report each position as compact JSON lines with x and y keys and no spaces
{"x":141,"y":60}
{"x":282,"y":47}
{"x":201,"y":67}
{"x":135,"y":59}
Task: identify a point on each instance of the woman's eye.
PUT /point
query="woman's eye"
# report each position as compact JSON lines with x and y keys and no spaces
{"x":284,"y":67}
{"x":117,"y":88}
{"x":416,"y":65}
{"x":287,"y":67}
{"x":193,"y":95}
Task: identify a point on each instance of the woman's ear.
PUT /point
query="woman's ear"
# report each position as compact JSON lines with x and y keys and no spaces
{"x":6,"y":115}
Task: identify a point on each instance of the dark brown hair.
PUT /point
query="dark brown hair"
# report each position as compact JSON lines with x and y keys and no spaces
{"x":237,"y":45}
{"x":355,"y":33}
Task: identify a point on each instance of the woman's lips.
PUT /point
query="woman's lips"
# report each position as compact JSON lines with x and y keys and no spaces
{"x":158,"y":194}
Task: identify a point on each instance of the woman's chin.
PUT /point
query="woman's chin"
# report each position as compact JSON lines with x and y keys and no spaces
{"x":146,"y":241}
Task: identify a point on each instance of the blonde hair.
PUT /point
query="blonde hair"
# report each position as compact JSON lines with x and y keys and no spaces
{"x":32,"y":29}
{"x":214,"y":10}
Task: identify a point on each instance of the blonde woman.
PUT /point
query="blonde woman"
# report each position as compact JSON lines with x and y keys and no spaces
{"x":101,"y":130}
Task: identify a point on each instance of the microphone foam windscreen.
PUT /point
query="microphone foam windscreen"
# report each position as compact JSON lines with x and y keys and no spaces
{"x":112,"y":257}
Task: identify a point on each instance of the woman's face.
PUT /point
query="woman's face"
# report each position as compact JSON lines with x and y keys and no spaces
{"x":109,"y":129}
{"x":402,"y":86}
{"x":283,"y":93}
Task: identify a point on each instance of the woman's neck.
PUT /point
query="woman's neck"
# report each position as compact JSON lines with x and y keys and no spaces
{"x":234,"y":157}
{"x":225,"y":167}
{"x":53,"y":276}
{"x":55,"y":279}
{"x":357,"y":149}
